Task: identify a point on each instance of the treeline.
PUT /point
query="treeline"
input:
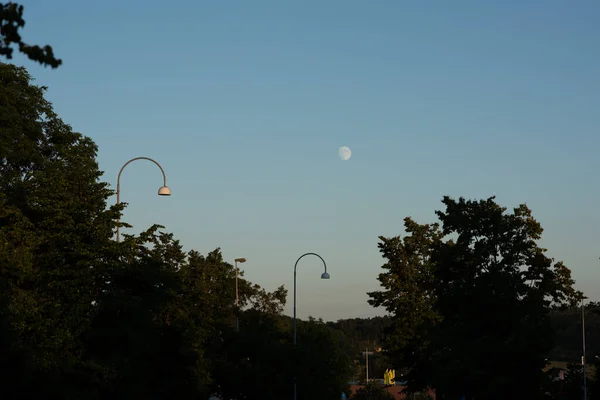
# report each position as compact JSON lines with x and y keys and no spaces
{"x":364,"y":333}
{"x":569,"y":339}
{"x":83,"y":316}
{"x":476,"y":307}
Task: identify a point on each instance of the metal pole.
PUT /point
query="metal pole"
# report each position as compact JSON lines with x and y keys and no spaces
{"x":583,"y":358}
{"x":295,"y":266}
{"x":367,"y":363}
{"x":295,"y":383}
{"x":119,"y":202}
{"x":119,"y":185}
{"x":237,"y":320}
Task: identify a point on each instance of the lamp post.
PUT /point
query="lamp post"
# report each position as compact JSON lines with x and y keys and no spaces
{"x":583,"y":357}
{"x":162,"y":191}
{"x":237,"y":298}
{"x":324,"y":275}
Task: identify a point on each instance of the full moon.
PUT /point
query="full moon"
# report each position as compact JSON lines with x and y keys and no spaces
{"x":344,"y":153}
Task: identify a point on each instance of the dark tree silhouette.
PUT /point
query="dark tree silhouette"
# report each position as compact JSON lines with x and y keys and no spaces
{"x":11,"y":22}
{"x":471,"y":299}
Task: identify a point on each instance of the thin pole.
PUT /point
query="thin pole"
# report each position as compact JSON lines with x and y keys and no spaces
{"x":119,"y":202}
{"x":367,"y":363}
{"x":295,"y":378}
{"x":296,"y":266}
{"x":583,"y":358}
{"x":119,"y":185}
{"x":237,"y":320}
{"x":295,"y":305}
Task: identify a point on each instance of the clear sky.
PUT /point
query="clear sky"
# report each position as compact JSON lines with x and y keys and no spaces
{"x":245,"y":104}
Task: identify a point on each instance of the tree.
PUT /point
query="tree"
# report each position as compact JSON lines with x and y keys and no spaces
{"x":247,"y":364}
{"x":238,"y":359}
{"x":409,"y":296}
{"x":471,"y":300}
{"x":372,"y":391}
{"x":84,"y":316}
{"x":594,"y":386}
{"x":322,"y":365}
{"x":11,"y":21}
{"x":260,"y":361}
{"x":253,"y":363}
{"x":568,"y":326}
{"x":164,"y":327}
{"x":146,"y":339}
{"x":55,"y":237}
{"x":572,"y":386}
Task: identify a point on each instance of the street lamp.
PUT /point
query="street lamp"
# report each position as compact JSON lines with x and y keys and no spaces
{"x":162,"y":191}
{"x":324,"y":275}
{"x":583,"y":342}
{"x":237,"y":300}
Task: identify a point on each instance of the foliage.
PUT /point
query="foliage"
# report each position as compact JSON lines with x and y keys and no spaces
{"x":174,"y":316}
{"x":250,"y":363}
{"x":56,"y":234}
{"x":372,"y":391}
{"x":260,"y":362}
{"x":322,"y":364}
{"x":83,"y":316}
{"x":594,"y":385}
{"x":471,"y":299}
{"x":362,"y":334}
{"x":11,"y":21}
{"x":567,"y":324}
{"x":409,"y":296}
{"x":145,"y":339}
{"x":572,"y":385}
{"x":254,"y":363}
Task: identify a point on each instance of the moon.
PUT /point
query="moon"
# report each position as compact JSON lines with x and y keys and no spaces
{"x":345,"y":153}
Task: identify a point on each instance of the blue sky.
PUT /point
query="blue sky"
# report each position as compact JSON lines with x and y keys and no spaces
{"x":245,"y":103}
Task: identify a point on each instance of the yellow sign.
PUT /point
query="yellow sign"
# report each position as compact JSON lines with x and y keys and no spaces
{"x":389,"y":377}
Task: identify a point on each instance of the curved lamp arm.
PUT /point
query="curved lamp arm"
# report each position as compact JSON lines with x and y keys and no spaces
{"x":311,"y":254}
{"x":163,"y":191}
{"x":324,"y":275}
{"x":140,"y":158}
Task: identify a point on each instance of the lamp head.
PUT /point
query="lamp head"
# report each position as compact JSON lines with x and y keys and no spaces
{"x":324,"y":275}
{"x":240,"y":260}
{"x":164,"y":191}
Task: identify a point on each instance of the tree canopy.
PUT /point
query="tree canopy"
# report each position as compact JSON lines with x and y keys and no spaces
{"x":55,"y":229}
{"x":11,"y":22}
{"x":475,"y":305}
{"x":85,"y":316}
{"x":470,"y":298}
